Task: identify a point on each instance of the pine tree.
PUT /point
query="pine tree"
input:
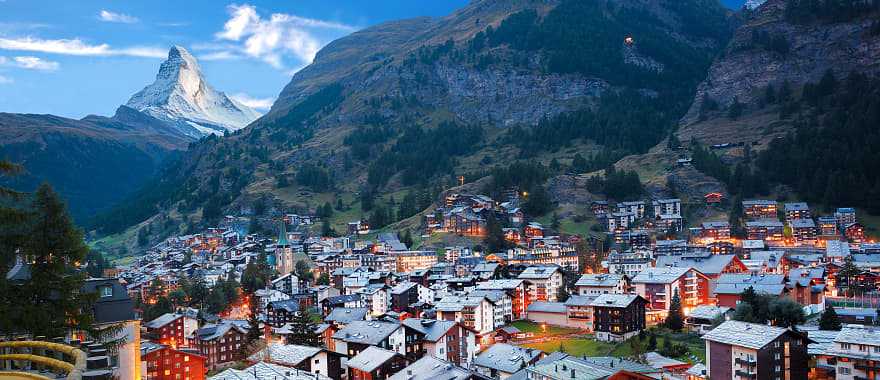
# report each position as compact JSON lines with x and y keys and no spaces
{"x":303,"y":328}
{"x":652,"y":342}
{"x":675,"y":319}
{"x":50,"y":302}
{"x":830,"y":320}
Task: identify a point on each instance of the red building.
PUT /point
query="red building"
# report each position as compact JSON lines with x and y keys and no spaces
{"x":167,"y":363}
{"x":171,"y":329}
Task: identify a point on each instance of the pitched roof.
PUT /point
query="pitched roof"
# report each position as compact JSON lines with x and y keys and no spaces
{"x":263,"y":370}
{"x":547,"y":307}
{"x":506,"y":358}
{"x":371,"y":358}
{"x":659,"y":275}
{"x":614,"y":300}
{"x":287,"y":354}
{"x":580,"y":300}
{"x":366,"y":332}
{"x":707,"y":264}
{"x":538,"y":272}
{"x":162,"y":320}
{"x":345,"y":315}
{"x":430,"y":368}
{"x":600,"y":279}
{"x":432,"y":328}
{"x":707,"y":311}
{"x":658,"y":361}
{"x":743,"y":334}
{"x":774,"y":289}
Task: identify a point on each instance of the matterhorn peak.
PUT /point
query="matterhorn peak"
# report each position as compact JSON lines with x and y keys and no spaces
{"x":181,"y":95}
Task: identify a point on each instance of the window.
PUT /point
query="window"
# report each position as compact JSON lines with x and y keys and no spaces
{"x":843,"y":370}
{"x":777,"y":356}
{"x":845,"y":346}
{"x":106,"y":291}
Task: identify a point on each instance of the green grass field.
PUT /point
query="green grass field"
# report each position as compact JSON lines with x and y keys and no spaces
{"x":532,"y":327}
{"x":586,"y":345}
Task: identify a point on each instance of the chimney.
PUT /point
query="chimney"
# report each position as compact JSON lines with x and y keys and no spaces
{"x":572,"y":373}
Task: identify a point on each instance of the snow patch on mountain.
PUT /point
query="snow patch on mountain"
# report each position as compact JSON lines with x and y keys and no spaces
{"x":752,"y":4}
{"x":181,"y":95}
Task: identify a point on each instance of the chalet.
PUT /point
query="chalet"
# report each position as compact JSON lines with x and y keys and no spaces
{"x":845,"y":216}
{"x":796,"y":210}
{"x":264,"y":370}
{"x":803,"y":230}
{"x":669,"y":222}
{"x":171,"y":329}
{"x":618,"y":317}
{"x":544,"y":282}
{"x":500,"y":361}
{"x":167,"y":362}
{"x":659,"y":285}
{"x":713,"y":199}
{"x":341,"y":317}
{"x":729,"y":287}
{"x":475,"y":312}
{"x":517,"y":290}
{"x":765,"y":229}
{"x":313,"y":360}
{"x":221,"y":342}
{"x":357,"y":336}
{"x":279,"y":313}
{"x":637,"y":208}
{"x":854,"y":232}
{"x":450,"y":341}
{"x":666,"y":207}
{"x":620,"y":220}
{"x":711,"y":265}
{"x":602,"y":283}
{"x":403,"y":295}
{"x":599,"y":208}
{"x":374,"y":363}
{"x":287,"y":284}
{"x":746,"y":350}
{"x":629,"y":263}
{"x":719,"y":230}
{"x":827,"y":226}
{"x":759,"y":209}
{"x":670,"y":247}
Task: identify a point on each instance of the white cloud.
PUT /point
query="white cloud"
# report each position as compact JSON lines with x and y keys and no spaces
{"x":77,"y":47}
{"x":108,"y":16}
{"x":280,"y":35}
{"x":255,"y":103}
{"x":35,"y":63}
{"x":5,"y":80}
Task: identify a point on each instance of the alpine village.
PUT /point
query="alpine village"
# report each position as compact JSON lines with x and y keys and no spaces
{"x":517,"y":190}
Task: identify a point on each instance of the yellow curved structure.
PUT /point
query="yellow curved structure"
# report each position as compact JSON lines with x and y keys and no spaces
{"x":74,"y":371}
{"x":15,"y":375}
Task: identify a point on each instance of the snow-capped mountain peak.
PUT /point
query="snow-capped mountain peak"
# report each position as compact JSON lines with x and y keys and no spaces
{"x":181,"y":95}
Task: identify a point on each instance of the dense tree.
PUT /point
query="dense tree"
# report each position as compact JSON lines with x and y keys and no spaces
{"x":786,"y":312}
{"x":302,"y":271}
{"x":675,"y":319}
{"x":303,"y":328}
{"x":617,"y":185}
{"x":494,"y":240}
{"x":830,"y":320}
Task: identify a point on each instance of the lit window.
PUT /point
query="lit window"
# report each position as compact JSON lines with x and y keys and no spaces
{"x":106,"y":291}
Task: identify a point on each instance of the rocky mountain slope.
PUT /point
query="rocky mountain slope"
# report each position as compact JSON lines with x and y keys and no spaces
{"x":404,"y":106}
{"x":772,"y":49}
{"x":93,"y":162}
{"x":182,"y":97}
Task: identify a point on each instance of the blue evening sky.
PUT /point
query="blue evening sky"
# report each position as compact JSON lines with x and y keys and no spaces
{"x":74,"y":58}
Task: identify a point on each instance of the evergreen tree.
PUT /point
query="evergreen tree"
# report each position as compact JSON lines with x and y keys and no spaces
{"x":302,"y":270}
{"x":494,"y":240}
{"x":327,"y":230}
{"x":652,"y":342}
{"x":830,"y":320}
{"x":323,"y":279}
{"x":675,"y":319}
{"x":303,"y":328}
{"x":786,"y":312}
{"x":735,"y":110}
{"x":50,"y":302}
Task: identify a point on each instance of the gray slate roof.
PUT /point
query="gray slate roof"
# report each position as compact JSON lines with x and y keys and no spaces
{"x":547,"y":307}
{"x":614,"y":300}
{"x":431,"y":368}
{"x":743,"y":334}
{"x":659,"y":275}
{"x":371,"y":358}
{"x":505,"y":357}
{"x":366,"y":332}
{"x":346,"y":315}
{"x":600,"y":279}
{"x":432,"y":328}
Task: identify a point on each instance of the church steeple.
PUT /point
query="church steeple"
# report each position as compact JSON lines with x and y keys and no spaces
{"x":282,"y":236}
